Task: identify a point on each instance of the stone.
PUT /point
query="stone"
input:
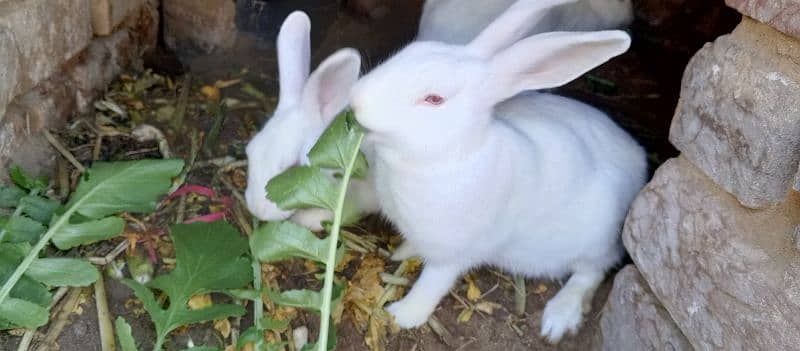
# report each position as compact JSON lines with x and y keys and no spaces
{"x":108,"y":14}
{"x":199,"y":26}
{"x":634,"y":320}
{"x":729,"y":276}
{"x":9,"y":66}
{"x":781,"y":14}
{"x":46,"y":33}
{"x":737,"y":118}
{"x":73,"y":87}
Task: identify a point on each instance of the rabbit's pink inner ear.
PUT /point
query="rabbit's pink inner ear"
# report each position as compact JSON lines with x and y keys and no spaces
{"x":552,"y":59}
{"x":512,"y":25}
{"x":328,"y":88}
{"x":294,"y":55}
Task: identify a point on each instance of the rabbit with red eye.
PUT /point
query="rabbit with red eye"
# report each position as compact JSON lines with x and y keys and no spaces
{"x":538,"y":185}
{"x":306,"y":106}
{"x":459,"y":21}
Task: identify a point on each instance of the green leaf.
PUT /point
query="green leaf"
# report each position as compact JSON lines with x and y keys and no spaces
{"x":209,"y":257}
{"x":335,"y":146}
{"x":23,"y":180}
{"x":38,"y":208}
{"x":71,"y":235}
{"x":244,"y":294}
{"x":124,"y":335}
{"x":22,"y":229}
{"x":202,"y":348}
{"x":127,"y":186}
{"x":256,"y":336}
{"x":63,"y":272}
{"x":305,"y":299}
{"x":26,"y":288}
{"x":302,"y":187}
{"x":9,"y":196}
{"x":277,"y":241}
{"x":23,"y":313}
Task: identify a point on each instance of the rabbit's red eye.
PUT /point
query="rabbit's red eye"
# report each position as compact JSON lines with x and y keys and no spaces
{"x":433,"y":99}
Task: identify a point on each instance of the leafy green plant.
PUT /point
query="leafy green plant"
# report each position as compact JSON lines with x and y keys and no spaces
{"x":105,"y":190}
{"x":210,"y":257}
{"x":307,"y":187}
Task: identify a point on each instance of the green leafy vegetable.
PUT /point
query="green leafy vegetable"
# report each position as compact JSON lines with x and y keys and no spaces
{"x":277,"y":241}
{"x":124,"y":335}
{"x":23,"y":313}
{"x":106,"y":189}
{"x":335,"y":146}
{"x":63,"y":272}
{"x":302,"y":187}
{"x":210,"y":258}
{"x":9,"y":196}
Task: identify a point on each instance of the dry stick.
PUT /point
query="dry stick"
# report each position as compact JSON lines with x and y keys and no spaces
{"x":107,"y":341}
{"x":97,"y":147}
{"x":64,"y":152}
{"x":58,"y":325}
{"x":111,"y":256}
{"x":27,"y":338}
{"x":438,"y":328}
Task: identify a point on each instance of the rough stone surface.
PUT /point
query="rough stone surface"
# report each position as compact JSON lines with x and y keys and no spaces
{"x":199,"y":26}
{"x":45,"y":33}
{"x":73,"y":87}
{"x":9,"y":66}
{"x":784,"y":15}
{"x":108,"y":14}
{"x":728,"y":275}
{"x":737,"y":118}
{"x":634,"y":320}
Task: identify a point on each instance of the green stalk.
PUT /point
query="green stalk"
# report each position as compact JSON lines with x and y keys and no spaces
{"x":258,"y":304}
{"x":327,"y":288}
{"x":17,"y":213}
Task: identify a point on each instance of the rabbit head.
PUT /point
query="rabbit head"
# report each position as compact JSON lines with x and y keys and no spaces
{"x":306,"y":105}
{"x":434,"y":98}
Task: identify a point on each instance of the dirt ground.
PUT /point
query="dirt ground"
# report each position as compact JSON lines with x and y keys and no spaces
{"x":639,"y":89}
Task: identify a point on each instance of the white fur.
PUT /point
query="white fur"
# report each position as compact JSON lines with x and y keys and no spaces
{"x":459,"y":21}
{"x":538,"y":185}
{"x":306,"y":106}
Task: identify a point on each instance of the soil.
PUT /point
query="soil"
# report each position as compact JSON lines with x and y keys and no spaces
{"x":639,"y":90}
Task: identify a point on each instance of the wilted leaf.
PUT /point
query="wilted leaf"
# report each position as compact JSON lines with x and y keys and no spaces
{"x":336,"y":145}
{"x":209,"y":257}
{"x":200,"y":301}
{"x":124,"y":335}
{"x":63,"y":272}
{"x":465,"y":315}
{"x":487,"y":307}
{"x":127,"y":186}
{"x":211,"y":92}
{"x":302,"y":187}
{"x":473,"y":292}
{"x":223,"y":326}
{"x":365,"y":289}
{"x":71,"y":235}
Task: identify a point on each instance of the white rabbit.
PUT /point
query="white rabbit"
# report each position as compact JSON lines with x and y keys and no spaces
{"x":538,"y":186}
{"x":459,"y":21}
{"x":306,"y":106}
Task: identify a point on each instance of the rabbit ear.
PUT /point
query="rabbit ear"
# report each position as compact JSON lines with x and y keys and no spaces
{"x":294,"y":54}
{"x":551,"y":60}
{"x":328,"y":88}
{"x":512,"y":25}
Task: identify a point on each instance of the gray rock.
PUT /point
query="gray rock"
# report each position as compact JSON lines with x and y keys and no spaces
{"x":781,"y":14}
{"x":199,"y":26}
{"x":738,"y":116}
{"x":634,"y":320}
{"x":47,"y":34}
{"x":728,"y":275}
{"x":108,"y":14}
{"x":9,"y":66}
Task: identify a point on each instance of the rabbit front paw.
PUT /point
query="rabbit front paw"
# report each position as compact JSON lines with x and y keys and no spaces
{"x":408,"y":314}
{"x":562,"y":314}
{"x":403,"y":252}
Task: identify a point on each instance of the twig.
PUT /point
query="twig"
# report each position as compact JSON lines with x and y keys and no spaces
{"x":69,"y":305}
{"x":441,"y":331}
{"x":181,"y":212}
{"x":63,"y":179}
{"x":393,"y":279}
{"x":520,"y":295}
{"x":64,"y":152}
{"x":183,"y":100}
{"x":111,"y":256}
{"x":97,"y":147}
{"x":107,"y":341}
{"x":27,"y":338}
{"x":213,"y":132}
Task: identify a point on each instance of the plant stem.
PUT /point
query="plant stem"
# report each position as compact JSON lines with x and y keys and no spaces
{"x":16,"y":213}
{"x":330,"y":265}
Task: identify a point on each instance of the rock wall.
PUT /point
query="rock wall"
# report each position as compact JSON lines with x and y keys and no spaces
{"x":714,"y":235}
{"x":51,"y":65}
